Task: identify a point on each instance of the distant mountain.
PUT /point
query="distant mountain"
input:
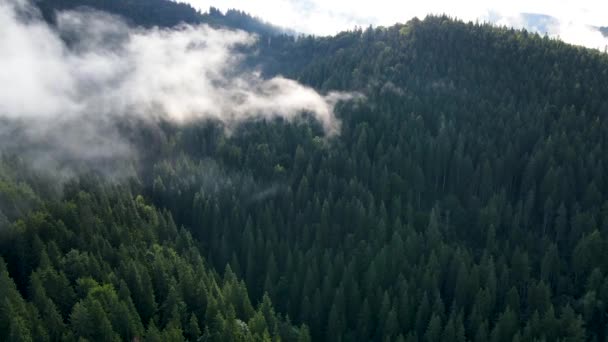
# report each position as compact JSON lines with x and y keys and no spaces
{"x":604,"y":30}
{"x":164,"y":13}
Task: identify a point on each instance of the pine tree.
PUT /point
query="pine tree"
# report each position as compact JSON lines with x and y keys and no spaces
{"x":193,"y":331}
{"x":433,"y":330}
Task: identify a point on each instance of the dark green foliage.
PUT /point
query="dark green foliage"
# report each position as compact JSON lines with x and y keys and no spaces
{"x":162,"y":13}
{"x":465,"y":199}
{"x":114,"y":278}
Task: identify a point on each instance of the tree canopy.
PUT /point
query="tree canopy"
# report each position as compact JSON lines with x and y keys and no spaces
{"x":465,"y":199}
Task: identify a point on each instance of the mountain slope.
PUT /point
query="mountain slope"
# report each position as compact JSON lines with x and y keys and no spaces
{"x":163,"y":13}
{"x":465,"y":199}
{"x":101,"y":265}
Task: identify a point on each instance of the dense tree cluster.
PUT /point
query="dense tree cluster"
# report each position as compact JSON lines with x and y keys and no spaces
{"x":162,"y":13}
{"x":465,"y":199}
{"x":102,"y":265}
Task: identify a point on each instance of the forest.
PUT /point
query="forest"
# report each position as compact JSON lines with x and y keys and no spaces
{"x":464,"y":199}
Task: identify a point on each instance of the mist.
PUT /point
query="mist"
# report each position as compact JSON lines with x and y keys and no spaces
{"x":66,"y":87}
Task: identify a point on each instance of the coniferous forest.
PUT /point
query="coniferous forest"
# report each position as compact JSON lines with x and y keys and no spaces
{"x":464,"y":199}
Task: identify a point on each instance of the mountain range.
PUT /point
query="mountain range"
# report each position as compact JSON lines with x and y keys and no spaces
{"x":440,"y":181}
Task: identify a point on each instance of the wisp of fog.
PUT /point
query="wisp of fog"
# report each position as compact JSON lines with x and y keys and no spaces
{"x":65,"y":86}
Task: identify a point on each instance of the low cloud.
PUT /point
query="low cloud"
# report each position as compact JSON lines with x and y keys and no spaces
{"x":65,"y":88}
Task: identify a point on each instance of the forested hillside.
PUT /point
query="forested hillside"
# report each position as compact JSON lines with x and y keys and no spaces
{"x":102,"y":265}
{"x":464,"y":199}
{"x":162,"y":13}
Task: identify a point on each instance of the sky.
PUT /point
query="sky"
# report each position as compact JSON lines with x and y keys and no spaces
{"x":572,"y":20}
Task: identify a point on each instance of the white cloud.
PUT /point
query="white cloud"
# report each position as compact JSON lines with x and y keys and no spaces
{"x":323,"y":17}
{"x":64,"y":99}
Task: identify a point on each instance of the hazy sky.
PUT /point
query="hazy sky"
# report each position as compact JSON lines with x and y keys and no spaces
{"x":330,"y":16}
